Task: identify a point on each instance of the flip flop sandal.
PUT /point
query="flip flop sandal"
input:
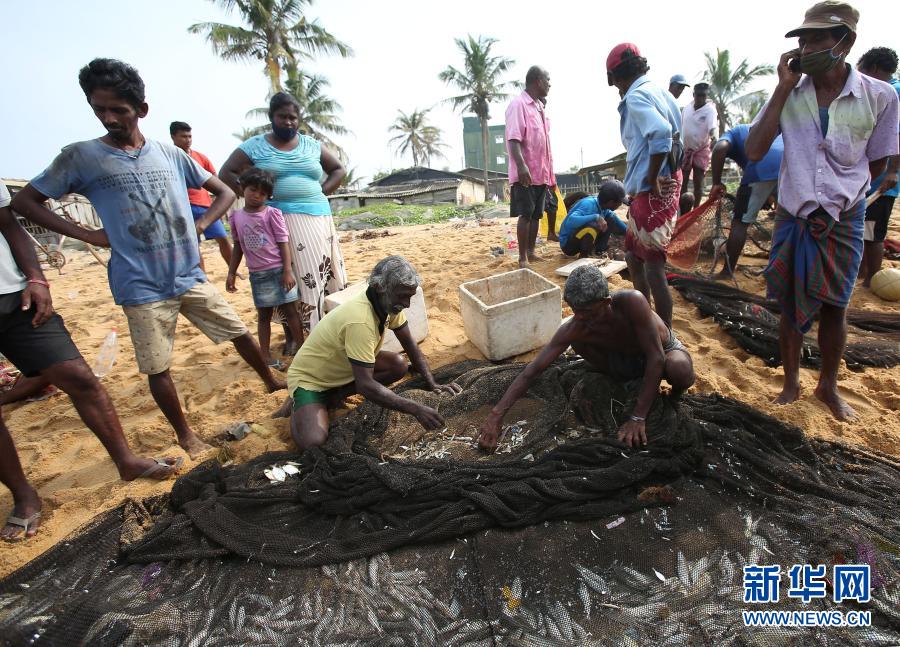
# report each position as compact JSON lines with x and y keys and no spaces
{"x":47,"y":393}
{"x":277,"y":364}
{"x":161,"y":465}
{"x":24,"y":524}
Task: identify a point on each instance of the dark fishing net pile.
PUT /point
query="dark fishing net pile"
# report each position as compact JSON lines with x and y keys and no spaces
{"x":873,"y":338}
{"x":564,"y":537}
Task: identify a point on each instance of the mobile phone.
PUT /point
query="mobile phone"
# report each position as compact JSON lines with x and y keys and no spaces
{"x":794,"y":63}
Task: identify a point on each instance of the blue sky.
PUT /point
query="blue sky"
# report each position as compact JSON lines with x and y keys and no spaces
{"x":400,"y":46}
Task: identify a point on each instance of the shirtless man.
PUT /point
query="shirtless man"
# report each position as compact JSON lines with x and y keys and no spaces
{"x":619,"y":335}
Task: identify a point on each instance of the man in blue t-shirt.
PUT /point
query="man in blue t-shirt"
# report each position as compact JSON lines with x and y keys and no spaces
{"x":586,"y":229}
{"x":139,"y":189}
{"x":879,"y":63}
{"x":759,"y":182}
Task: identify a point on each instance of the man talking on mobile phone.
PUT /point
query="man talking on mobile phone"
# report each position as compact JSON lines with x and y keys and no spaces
{"x":839,"y":128}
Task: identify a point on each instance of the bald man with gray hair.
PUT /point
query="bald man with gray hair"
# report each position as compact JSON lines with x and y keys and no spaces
{"x":343,"y":356}
{"x":618,"y":334}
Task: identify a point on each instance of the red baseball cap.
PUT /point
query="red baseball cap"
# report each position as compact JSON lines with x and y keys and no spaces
{"x":615,"y":56}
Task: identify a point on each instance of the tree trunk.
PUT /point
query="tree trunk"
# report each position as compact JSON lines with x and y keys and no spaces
{"x":484,"y":153}
{"x":273,"y":70}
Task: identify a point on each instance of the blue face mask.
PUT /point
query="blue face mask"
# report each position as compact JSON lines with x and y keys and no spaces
{"x":284,"y":134}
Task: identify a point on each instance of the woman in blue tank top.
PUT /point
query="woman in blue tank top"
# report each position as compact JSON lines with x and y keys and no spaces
{"x":305,"y":173}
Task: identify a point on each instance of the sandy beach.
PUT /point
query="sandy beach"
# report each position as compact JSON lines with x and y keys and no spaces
{"x":77,"y":480}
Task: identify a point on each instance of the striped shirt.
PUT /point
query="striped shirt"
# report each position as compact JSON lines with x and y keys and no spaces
{"x":297,"y":174}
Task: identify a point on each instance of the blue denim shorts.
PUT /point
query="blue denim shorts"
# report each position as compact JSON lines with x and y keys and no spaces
{"x":268,"y":291}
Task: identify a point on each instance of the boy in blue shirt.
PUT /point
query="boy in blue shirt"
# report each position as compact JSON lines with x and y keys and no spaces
{"x":589,"y":223}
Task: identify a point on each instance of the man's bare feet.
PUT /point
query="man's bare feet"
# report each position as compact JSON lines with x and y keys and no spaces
{"x":790,"y":393}
{"x":275,"y":384}
{"x":839,"y":407}
{"x":148,"y":468}
{"x":26,"y":508}
{"x":724,"y":275}
{"x":284,"y":411}
{"x":534,"y":258}
{"x":552,"y":237}
{"x":194,"y":446}
{"x":523,"y":264}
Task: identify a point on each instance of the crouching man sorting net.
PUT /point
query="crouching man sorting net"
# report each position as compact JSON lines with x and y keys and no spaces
{"x":343,"y":356}
{"x":617,"y":334}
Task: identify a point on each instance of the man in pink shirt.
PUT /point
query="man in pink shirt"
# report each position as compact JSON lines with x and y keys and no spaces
{"x":530,"y":160}
{"x":839,"y":129}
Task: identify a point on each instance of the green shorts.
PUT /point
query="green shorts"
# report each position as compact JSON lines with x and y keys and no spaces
{"x":303,"y":396}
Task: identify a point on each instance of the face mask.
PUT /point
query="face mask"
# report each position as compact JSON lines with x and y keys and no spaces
{"x":284,"y":134}
{"x":821,"y":61}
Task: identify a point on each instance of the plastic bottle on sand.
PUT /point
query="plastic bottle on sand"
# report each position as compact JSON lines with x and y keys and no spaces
{"x":107,"y":355}
{"x":512,"y":246}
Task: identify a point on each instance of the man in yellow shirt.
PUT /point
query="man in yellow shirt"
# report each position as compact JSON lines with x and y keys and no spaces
{"x":343,"y":356}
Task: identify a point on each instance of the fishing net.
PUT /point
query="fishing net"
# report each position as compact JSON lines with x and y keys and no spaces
{"x":704,"y":231}
{"x":390,"y":535}
{"x":701,"y":224}
{"x":873,"y":338}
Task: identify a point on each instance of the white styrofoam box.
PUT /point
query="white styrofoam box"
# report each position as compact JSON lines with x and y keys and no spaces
{"x":415,"y":314}
{"x":511,"y":313}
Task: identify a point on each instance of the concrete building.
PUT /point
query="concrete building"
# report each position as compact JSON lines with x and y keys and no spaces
{"x":497,"y":157}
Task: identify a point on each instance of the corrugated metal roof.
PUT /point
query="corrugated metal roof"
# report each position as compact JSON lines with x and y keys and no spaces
{"x":411,"y":188}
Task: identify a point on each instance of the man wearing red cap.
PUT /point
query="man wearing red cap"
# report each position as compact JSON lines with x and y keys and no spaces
{"x":650,"y":125}
{"x":839,"y":129}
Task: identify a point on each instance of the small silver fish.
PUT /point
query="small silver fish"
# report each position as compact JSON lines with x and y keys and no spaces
{"x":585,"y":596}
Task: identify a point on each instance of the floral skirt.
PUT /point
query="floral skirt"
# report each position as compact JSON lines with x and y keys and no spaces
{"x":317,"y":261}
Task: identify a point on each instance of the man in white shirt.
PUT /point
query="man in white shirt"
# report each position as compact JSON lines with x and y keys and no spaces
{"x":699,"y":122}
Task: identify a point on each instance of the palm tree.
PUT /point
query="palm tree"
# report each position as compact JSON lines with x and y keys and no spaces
{"x":352,"y":180}
{"x":726,"y":86}
{"x":276,"y":33}
{"x":433,"y":144}
{"x":750,"y":105}
{"x":480,"y":84}
{"x":317,"y":110}
{"x":246,"y":133}
{"x":416,"y":136}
